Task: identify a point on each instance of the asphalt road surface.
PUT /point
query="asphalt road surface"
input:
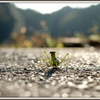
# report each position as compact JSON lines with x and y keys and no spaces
{"x":22,"y":74}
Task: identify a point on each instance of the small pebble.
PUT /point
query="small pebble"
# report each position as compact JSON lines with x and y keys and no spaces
{"x":71,"y":84}
{"x":64,"y":95}
{"x":47,"y":86}
{"x":82,"y":86}
{"x":56,"y":95}
{"x":84,"y":82}
{"x":97,"y":88}
{"x":53,"y":82}
{"x":27,"y":93}
{"x":29,"y":84}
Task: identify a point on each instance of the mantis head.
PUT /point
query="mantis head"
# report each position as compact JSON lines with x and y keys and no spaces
{"x":52,"y":53}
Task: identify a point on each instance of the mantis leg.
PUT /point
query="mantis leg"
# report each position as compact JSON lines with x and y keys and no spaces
{"x":44,"y":61}
{"x":64,"y":58}
{"x":47,"y":57}
{"x":41,"y":62}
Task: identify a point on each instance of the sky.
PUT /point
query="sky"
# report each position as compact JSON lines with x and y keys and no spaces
{"x":49,"y":7}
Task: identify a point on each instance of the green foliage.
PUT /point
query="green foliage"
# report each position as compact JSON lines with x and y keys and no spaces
{"x":34,"y":40}
{"x":95,"y":37}
{"x":79,"y":35}
{"x":64,"y":22}
{"x":49,"y":41}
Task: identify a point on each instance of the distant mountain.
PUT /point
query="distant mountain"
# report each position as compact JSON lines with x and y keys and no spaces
{"x":64,"y":22}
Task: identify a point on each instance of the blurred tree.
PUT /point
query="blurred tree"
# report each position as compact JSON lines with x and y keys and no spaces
{"x":6,"y":21}
{"x":10,"y":21}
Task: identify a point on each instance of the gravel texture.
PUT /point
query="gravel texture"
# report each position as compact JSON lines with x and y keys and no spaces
{"x":22,"y":75}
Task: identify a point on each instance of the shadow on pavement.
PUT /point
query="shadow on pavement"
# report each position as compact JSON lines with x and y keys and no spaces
{"x":49,"y":73}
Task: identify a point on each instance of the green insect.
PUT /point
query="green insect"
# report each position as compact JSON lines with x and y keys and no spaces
{"x":53,"y":61}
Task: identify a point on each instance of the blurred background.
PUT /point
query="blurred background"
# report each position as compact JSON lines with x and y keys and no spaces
{"x":67,"y":25}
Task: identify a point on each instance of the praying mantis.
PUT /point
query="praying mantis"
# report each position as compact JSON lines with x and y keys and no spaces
{"x":53,"y":61}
